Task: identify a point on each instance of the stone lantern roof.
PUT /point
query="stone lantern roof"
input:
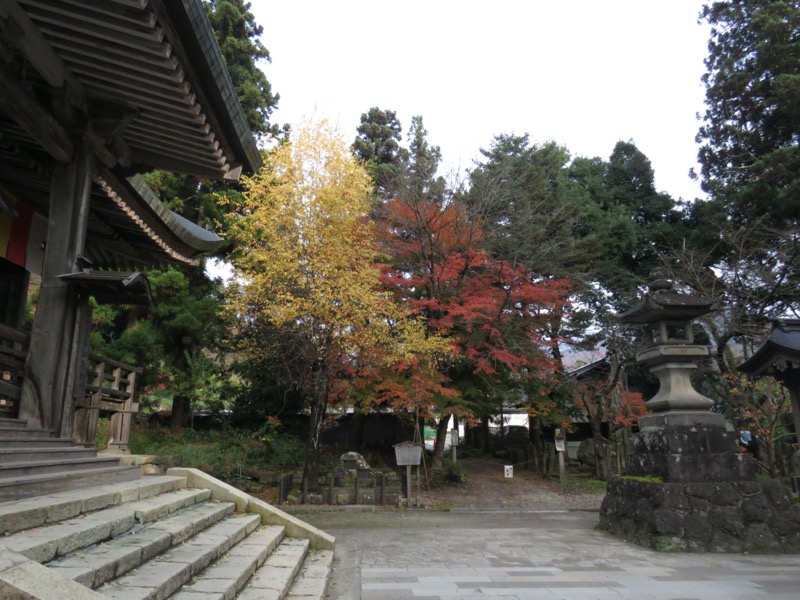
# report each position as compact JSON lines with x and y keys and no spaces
{"x":664,"y":304}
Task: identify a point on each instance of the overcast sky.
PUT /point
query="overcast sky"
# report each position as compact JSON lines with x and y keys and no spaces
{"x":585,"y":73}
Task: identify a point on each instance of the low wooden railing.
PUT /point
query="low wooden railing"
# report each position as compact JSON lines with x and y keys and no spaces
{"x":13,"y":350}
{"x":110,"y":391}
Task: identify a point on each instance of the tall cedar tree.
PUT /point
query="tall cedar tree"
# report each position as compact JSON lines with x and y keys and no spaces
{"x":750,"y":153}
{"x":378,"y":146}
{"x":306,"y":263}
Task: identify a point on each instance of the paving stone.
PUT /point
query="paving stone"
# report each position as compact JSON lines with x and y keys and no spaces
{"x":519,"y":556}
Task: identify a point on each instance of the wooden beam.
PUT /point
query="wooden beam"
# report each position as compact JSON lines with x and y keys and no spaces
{"x":23,"y":107}
{"x":21,"y":33}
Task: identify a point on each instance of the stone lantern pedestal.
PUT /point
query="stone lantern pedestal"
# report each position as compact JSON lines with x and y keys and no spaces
{"x":687,"y":487}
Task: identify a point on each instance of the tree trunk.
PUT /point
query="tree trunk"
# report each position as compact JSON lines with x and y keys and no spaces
{"x":180,"y":411}
{"x":485,"y":430}
{"x":601,"y":453}
{"x":535,"y":435}
{"x":441,"y":437}
{"x":319,"y":403}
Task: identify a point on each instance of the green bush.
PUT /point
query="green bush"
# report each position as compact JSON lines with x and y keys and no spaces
{"x":221,"y":453}
{"x":449,"y":473}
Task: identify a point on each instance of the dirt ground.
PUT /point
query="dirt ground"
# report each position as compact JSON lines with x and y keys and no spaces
{"x":488,"y":488}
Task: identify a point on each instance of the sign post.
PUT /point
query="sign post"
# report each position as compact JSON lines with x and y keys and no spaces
{"x":453,"y":443}
{"x":408,"y":454}
{"x":561,"y":447}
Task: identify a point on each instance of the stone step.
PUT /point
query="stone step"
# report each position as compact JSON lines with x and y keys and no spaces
{"x":16,"y":488}
{"x":7,"y":423}
{"x":157,"y":539}
{"x":56,"y":465}
{"x":311,"y":582}
{"x":36,"y":442}
{"x":99,"y":564}
{"x":277,"y":574}
{"x":13,"y":456}
{"x":230,"y":572}
{"x":162,"y":577}
{"x":19,"y":515}
{"x":7,"y":432}
{"x":48,"y":542}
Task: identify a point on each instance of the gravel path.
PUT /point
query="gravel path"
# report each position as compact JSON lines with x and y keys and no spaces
{"x":488,"y":489}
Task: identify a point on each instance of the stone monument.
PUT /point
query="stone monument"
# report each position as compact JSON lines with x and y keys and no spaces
{"x":687,"y":486}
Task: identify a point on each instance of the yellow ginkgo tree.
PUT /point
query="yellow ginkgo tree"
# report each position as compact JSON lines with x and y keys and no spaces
{"x":306,"y":264}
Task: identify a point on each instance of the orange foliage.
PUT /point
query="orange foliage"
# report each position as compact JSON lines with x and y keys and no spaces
{"x":491,"y":310}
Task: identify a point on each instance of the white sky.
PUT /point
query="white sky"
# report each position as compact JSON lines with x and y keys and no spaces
{"x":585,"y":73}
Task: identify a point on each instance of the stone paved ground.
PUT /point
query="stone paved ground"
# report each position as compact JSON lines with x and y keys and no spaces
{"x":548,"y":549}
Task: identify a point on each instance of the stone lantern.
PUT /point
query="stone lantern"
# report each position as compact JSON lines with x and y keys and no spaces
{"x":680,"y":440}
{"x":687,"y":486}
{"x":672,"y":354}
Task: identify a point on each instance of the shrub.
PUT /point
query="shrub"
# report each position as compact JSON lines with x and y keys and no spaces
{"x":221,"y":453}
{"x":450,"y":473}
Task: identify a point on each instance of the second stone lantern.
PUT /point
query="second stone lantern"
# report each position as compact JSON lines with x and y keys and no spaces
{"x":680,"y":440}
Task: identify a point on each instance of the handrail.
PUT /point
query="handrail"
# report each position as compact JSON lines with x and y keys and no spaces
{"x":109,"y":389}
{"x":13,"y":335}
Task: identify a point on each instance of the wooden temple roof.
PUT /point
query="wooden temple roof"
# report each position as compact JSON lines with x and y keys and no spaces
{"x":781,"y":346}
{"x":145,"y":84}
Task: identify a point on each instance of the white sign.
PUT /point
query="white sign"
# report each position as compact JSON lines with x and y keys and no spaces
{"x":560,"y":441}
{"x":509,"y":470}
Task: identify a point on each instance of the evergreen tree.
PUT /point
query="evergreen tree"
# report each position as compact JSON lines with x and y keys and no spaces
{"x":238,"y":36}
{"x":378,"y":145}
{"x":422,"y":163}
{"x":750,"y":153}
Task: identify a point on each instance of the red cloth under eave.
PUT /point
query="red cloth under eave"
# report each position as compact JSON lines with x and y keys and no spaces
{"x":20,"y":230}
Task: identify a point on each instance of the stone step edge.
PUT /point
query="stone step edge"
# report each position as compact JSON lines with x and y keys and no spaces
{"x":163,"y":576}
{"x":57,"y":463}
{"x":19,"y":515}
{"x":276,"y":576}
{"x":245,"y":503}
{"x":9,"y":456}
{"x":312,"y":580}
{"x":98,"y":564}
{"x":23,"y":578}
{"x":229,"y":573}
{"x":16,"y":480}
{"x":52,"y":541}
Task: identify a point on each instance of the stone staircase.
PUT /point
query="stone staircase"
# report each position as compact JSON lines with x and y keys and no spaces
{"x":183,"y":536}
{"x":32,"y":462}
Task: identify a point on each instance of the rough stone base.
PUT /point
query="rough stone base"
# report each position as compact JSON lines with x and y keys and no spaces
{"x":744,"y":516}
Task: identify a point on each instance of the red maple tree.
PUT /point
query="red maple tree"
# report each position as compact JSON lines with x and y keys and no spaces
{"x":492,"y":311}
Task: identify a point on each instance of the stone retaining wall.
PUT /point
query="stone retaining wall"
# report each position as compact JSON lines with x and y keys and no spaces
{"x":744,"y":516}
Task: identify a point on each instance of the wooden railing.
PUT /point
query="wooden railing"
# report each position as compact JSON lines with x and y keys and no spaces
{"x":13,"y":350}
{"x":110,"y":391}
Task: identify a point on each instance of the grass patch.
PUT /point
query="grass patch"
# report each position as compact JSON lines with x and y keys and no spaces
{"x":221,"y":453}
{"x":643,"y":479}
{"x":583,"y":486}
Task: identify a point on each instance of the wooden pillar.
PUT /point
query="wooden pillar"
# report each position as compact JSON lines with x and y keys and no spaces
{"x":57,"y":351}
